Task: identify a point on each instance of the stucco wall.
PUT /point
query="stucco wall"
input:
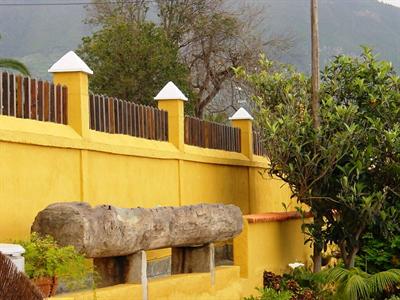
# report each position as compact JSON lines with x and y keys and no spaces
{"x":42,"y":163}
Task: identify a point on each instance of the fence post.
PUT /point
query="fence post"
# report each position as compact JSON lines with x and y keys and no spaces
{"x":171,"y":99}
{"x":243,"y":120}
{"x":72,"y":71}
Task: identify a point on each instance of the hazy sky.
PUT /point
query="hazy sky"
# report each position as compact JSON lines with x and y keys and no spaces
{"x":393,"y":2}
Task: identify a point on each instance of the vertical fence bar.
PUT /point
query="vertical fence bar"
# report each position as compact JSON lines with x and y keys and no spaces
{"x":58,"y":104}
{"x":6,"y":94}
{"x":12,"y":99}
{"x":46,"y":101}
{"x":39,"y":103}
{"x":102,"y":114}
{"x":33,"y":99}
{"x":91,"y":112}
{"x":65,"y":104}
{"x":126,"y":117}
{"x":111,"y":115}
{"x":19,"y":96}
{"x":135,"y":120}
{"x":52,"y":103}
{"x":96,"y":112}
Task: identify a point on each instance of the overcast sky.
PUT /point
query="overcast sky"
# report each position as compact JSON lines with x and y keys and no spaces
{"x":393,"y":2}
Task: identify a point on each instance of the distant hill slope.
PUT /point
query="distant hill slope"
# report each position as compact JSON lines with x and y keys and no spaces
{"x":344,"y":26}
{"x":40,"y":35}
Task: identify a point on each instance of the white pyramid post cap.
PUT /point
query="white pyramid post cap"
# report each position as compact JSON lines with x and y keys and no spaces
{"x":241,"y":114}
{"x":70,"y":62}
{"x":170,"y":92}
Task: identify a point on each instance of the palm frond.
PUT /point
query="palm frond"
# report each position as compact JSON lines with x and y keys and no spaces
{"x":382,"y":281}
{"x":334,"y":275}
{"x":355,"y":284}
{"x":356,"y":287}
{"x":13,"y":64}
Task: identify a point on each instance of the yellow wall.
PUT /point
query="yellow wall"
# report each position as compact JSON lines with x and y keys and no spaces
{"x":42,"y":163}
{"x":269,"y":246}
{"x":197,"y":286}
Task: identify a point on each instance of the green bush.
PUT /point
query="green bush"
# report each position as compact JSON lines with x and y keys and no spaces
{"x":44,"y":258}
{"x":354,"y":284}
{"x":379,"y":254}
{"x":271,"y":294}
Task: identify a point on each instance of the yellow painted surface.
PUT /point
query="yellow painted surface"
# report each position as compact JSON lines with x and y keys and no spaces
{"x":195,"y":286}
{"x":132,"y":182}
{"x":31,"y":178}
{"x":42,"y":163}
{"x":78,"y":99}
{"x":269,"y":193}
{"x":246,"y":132}
{"x":269,"y":246}
{"x":207,"y":183}
{"x":176,"y":120}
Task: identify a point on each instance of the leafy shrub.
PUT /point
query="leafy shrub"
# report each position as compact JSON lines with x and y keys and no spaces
{"x":379,"y":254}
{"x":354,"y":284}
{"x":44,"y":258}
{"x":271,"y":294}
{"x":298,"y":283}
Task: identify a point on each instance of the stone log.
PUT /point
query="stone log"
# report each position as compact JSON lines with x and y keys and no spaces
{"x":105,"y":230}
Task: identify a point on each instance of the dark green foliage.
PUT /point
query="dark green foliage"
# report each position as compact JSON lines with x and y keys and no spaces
{"x":346,"y":170}
{"x":378,"y":254}
{"x":354,"y":284}
{"x":271,"y":294}
{"x":132,"y":61}
{"x":44,"y":258}
{"x":12,"y":64}
{"x":301,"y":284}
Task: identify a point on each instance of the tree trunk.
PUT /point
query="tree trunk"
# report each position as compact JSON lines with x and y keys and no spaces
{"x":315,"y":63}
{"x":317,"y":259}
{"x":317,"y":236}
{"x":351,"y":260}
{"x":105,"y":230}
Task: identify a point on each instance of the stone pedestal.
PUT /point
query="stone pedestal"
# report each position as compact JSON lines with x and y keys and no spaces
{"x":110,"y":270}
{"x":192,"y":259}
{"x":122,"y":269}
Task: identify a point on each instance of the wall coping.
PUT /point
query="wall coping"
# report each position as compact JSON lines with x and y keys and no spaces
{"x":275,"y":217}
{"x":48,"y":134}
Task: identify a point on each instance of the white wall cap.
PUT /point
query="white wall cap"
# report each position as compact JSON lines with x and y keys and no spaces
{"x":11,"y":249}
{"x":70,"y":62}
{"x":241,"y":114}
{"x":170,"y":92}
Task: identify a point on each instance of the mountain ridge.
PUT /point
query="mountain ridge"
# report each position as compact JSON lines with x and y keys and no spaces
{"x":38,"y":36}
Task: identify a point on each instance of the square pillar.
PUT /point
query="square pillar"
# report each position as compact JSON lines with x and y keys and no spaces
{"x":72,"y":72}
{"x":243,"y":120}
{"x":171,"y":99}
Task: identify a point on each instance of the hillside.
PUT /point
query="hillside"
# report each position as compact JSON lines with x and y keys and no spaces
{"x":41,"y":34}
{"x":344,"y":26}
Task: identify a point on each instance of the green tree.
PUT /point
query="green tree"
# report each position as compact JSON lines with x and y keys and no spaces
{"x":212,"y":37}
{"x":344,"y":169}
{"x":132,"y":61}
{"x":366,"y":184}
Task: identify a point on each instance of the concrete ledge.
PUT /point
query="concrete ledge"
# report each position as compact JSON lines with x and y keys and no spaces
{"x":48,"y":134}
{"x":183,"y":286}
{"x":275,"y":217}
